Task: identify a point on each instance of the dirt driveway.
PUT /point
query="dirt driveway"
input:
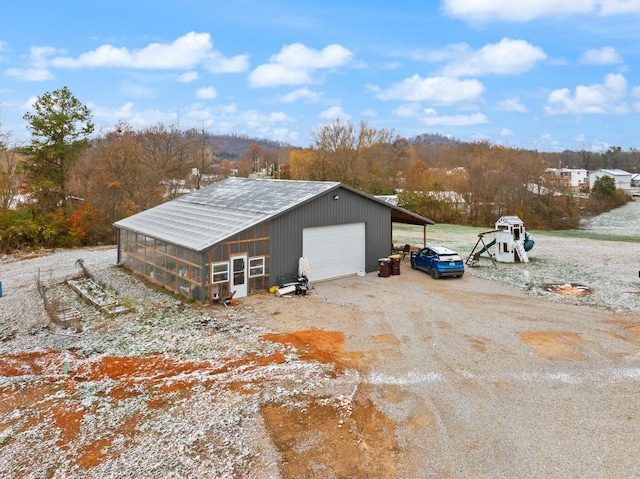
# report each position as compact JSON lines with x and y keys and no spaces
{"x":366,"y":377}
{"x":457,"y":378}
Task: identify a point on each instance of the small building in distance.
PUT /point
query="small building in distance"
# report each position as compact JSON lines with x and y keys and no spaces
{"x":571,"y":178}
{"x":621,"y":177}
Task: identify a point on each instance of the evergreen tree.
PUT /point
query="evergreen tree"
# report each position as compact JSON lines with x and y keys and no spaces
{"x":60,"y":129}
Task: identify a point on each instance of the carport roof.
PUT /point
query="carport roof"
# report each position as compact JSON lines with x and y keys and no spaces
{"x":207,"y":216}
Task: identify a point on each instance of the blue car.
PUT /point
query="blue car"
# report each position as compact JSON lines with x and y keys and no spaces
{"x":438,"y":261}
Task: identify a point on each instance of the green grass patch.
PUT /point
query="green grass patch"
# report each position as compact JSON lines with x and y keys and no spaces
{"x":584,"y":234}
{"x":456,"y":232}
{"x":439,"y":229}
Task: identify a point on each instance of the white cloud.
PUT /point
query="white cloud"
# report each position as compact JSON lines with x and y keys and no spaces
{"x":439,"y":90}
{"x":506,"y":132}
{"x":369,"y":112}
{"x":547,"y":141}
{"x":607,"y":97}
{"x":301,"y":94}
{"x":229,"y":119}
{"x":449,"y":52}
{"x":221,"y":118}
{"x":31,"y":101}
{"x":431,"y":118}
{"x":492,"y":10}
{"x":113,"y":115}
{"x":335,"y":112}
{"x":38,"y":69}
{"x":512,"y":104}
{"x":39,"y":55}
{"x":186,"y":52}
{"x":601,"y":56}
{"x":506,"y":57}
{"x":636,"y":96}
{"x":216,"y":63}
{"x":273,"y":74}
{"x":206,"y":93}
{"x":295,"y":64}
{"x":30,"y":74}
{"x":188,"y":77}
{"x":619,"y":7}
{"x":523,"y":11}
{"x":408,"y":110}
{"x":302,"y":57}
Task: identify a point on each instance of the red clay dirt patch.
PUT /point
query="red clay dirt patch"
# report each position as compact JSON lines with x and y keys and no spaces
{"x":385,"y":338}
{"x":350,"y":441}
{"x":322,"y":440}
{"x":322,"y":346}
{"x":59,"y":417}
{"x":342,"y":438}
{"x":555,"y":345}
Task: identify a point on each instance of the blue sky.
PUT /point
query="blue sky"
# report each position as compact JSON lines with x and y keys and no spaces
{"x":537,"y":74}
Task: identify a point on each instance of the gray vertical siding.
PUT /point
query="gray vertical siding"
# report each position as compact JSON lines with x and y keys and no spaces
{"x":286,"y":230}
{"x":280,"y":239}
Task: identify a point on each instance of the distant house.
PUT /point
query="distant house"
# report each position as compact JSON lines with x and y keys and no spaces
{"x":573,"y":178}
{"x":242,"y":234}
{"x":452,"y":198}
{"x":635,"y":180}
{"x":621,"y":177}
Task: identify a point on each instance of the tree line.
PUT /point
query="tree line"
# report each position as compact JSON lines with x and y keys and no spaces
{"x":67,"y":186}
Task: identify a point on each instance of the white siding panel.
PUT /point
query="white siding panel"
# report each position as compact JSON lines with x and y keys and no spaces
{"x":334,"y":251}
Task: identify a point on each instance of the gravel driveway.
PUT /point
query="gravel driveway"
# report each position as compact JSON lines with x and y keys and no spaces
{"x":365,"y":377}
{"x":482,"y":380}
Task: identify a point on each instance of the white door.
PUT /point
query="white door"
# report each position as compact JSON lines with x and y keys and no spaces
{"x":239,"y":276}
{"x":334,"y":251}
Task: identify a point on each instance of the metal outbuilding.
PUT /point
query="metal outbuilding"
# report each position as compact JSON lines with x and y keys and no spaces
{"x":242,"y":234}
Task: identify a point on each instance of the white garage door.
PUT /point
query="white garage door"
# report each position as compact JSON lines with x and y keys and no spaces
{"x":334,"y":251}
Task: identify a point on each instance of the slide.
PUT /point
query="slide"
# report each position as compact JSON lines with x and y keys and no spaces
{"x":528,"y":242}
{"x":489,"y":245}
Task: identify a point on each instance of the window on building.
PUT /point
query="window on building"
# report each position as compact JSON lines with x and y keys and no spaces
{"x":256,"y":267}
{"x":220,"y":272}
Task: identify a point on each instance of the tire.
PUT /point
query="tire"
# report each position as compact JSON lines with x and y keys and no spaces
{"x":413,"y":265}
{"x":434,"y":273}
{"x":460,"y":275}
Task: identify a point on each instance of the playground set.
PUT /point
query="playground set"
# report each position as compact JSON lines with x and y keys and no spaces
{"x":510,"y":240}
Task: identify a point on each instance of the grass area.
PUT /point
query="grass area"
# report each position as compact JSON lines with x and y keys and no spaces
{"x":602,"y":254}
{"x":440,"y":228}
{"x":586,"y":234}
{"x":445,"y":231}
{"x":621,"y":224}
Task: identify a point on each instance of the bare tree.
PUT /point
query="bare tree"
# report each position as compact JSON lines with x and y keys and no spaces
{"x":201,"y":158}
{"x":348,"y":154}
{"x":10,"y":178}
{"x":165,"y":157}
{"x":253,"y":155}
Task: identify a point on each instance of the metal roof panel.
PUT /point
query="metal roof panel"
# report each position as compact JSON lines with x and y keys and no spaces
{"x":204,"y":217}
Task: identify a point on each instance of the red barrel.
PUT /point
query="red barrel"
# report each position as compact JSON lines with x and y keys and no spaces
{"x":384,"y":267}
{"x":395,"y":265}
